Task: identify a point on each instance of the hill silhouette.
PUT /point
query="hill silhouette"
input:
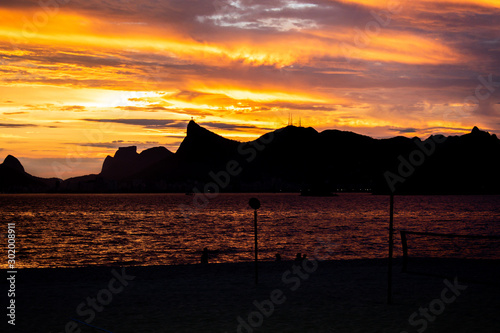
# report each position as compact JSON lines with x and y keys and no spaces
{"x":290,"y":159}
{"x":113,"y":167}
{"x":13,"y":179}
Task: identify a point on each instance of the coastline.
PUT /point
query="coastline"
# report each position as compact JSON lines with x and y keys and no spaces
{"x":337,"y":296}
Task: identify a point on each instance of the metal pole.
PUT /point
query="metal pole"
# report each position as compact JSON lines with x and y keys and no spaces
{"x":256,"y":249}
{"x":391,"y":245}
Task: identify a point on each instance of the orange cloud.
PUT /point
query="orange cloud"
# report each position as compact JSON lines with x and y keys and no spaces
{"x":95,"y":35}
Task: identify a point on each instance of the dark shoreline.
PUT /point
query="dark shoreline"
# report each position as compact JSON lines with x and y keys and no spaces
{"x":338,"y":296}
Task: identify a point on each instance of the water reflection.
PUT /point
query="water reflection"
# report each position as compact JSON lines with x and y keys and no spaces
{"x":151,"y":229}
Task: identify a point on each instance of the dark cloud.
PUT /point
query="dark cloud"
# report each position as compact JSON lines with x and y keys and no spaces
{"x":75,"y":108}
{"x":119,"y":143}
{"x":16,"y":125}
{"x":13,"y":113}
{"x":163,"y":123}
{"x":403,"y":130}
{"x":429,"y":130}
{"x":44,"y":57}
{"x":19,"y":3}
{"x":233,"y":127}
{"x":146,"y":123}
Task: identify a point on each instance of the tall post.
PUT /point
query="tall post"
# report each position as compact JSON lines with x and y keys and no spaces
{"x":391,"y":246}
{"x":255,"y":204}
{"x":256,"y":248}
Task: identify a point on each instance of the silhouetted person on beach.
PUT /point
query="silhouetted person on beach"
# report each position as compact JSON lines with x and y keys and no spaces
{"x":304,"y":257}
{"x":298,"y":257}
{"x":204,"y":256}
{"x":278,"y":257}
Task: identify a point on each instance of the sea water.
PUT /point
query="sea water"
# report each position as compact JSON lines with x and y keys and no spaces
{"x":75,"y":230}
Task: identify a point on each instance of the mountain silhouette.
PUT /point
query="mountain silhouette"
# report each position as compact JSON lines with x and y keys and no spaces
{"x":14,"y":179}
{"x":294,"y":159}
{"x":203,"y":151}
{"x":13,"y":164}
{"x":113,"y":167}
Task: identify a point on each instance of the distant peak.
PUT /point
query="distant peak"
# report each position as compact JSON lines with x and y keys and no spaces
{"x":296,"y":129}
{"x":192,"y":127}
{"x":13,"y":163}
{"x":478,"y":133}
{"x":126,"y":152}
{"x":128,"y":149}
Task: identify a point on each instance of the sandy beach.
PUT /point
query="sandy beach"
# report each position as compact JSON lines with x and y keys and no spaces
{"x":331,"y":296}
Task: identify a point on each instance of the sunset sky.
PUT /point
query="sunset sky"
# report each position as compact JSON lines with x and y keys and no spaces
{"x":80,"y":78}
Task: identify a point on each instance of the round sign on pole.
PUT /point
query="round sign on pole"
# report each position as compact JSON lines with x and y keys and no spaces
{"x":254,"y":203}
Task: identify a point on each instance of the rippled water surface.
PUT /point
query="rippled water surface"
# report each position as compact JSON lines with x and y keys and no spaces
{"x":151,"y":229}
